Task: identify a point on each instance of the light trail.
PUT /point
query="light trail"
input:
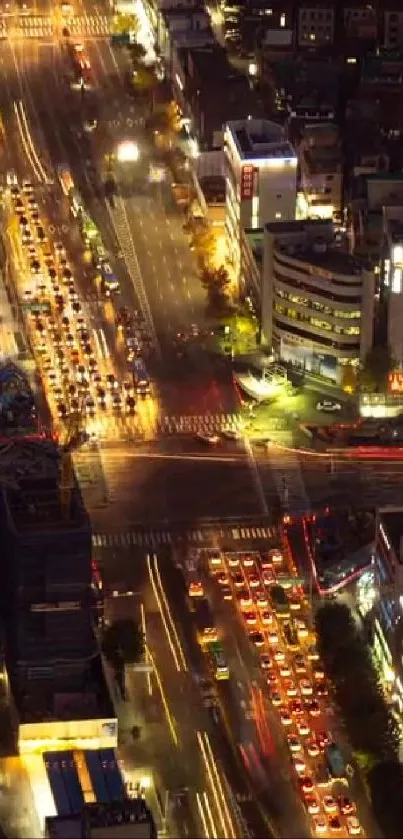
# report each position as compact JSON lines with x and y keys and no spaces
{"x":202,"y":815}
{"x":169,"y":614}
{"x":212,"y":779}
{"x":31,"y":143}
{"x":168,"y":715}
{"x":231,"y":832}
{"x":166,"y":627}
{"x":213,"y":828}
{"x":144,"y":631}
{"x":25,"y":144}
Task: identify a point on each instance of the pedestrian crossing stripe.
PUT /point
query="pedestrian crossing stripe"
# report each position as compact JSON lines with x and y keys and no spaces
{"x":153,"y":538}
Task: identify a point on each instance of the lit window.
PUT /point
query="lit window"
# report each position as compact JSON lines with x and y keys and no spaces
{"x":282,"y":20}
{"x":278,"y":215}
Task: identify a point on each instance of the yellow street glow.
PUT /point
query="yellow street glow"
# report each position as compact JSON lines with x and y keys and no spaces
{"x":128,"y":152}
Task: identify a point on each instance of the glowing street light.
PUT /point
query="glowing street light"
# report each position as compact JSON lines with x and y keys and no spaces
{"x":128,"y":152}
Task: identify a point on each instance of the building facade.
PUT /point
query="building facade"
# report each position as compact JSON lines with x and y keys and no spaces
{"x":317,"y":305}
{"x":260,"y":177}
{"x":320,"y":162}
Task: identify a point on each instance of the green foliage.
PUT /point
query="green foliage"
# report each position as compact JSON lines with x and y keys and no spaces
{"x":216,"y":283}
{"x":377,"y":365}
{"x":123,"y":643}
{"x":124,"y":23}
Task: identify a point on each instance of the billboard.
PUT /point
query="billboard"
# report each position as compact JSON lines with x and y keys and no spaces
{"x":247,"y":183}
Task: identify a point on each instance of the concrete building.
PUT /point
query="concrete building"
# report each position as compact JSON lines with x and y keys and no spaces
{"x":392,"y":278}
{"x":392,"y":24}
{"x":316,"y":24}
{"x":130,"y":819}
{"x":182,"y":27}
{"x":261,"y":179}
{"x":321,"y":170}
{"x":317,"y":304}
{"x":49,"y":603}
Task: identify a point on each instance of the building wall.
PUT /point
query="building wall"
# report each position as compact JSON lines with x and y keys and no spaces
{"x":315,"y":26}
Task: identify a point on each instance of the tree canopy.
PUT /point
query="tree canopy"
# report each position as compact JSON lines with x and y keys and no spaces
{"x":376,"y":368}
{"x":216,"y":283}
{"x":123,"y":24}
{"x":123,"y":643}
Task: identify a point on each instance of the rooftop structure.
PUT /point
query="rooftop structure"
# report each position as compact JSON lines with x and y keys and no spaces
{"x":131,"y":819}
{"x":18,"y":414}
{"x":259,"y":140}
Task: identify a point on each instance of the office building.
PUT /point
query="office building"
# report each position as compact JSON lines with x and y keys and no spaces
{"x":320,"y":162}
{"x":49,"y":602}
{"x":316,"y":24}
{"x":260,"y":177}
{"x":392,"y":278}
{"x":130,"y":819}
{"x":317,"y":302}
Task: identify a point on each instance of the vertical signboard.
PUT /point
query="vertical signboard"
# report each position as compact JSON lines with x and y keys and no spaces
{"x":247,"y":183}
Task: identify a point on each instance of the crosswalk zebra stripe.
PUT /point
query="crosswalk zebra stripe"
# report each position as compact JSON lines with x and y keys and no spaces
{"x":149,"y":539}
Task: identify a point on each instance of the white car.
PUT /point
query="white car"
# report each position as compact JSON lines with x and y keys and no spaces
{"x":12,"y":179}
{"x":353,"y":826}
{"x":231,"y":434}
{"x":328,"y":406}
{"x":212,"y":440}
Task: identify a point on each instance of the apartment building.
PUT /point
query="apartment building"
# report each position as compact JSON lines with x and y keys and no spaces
{"x":316,"y":24}
{"x":317,"y":306}
{"x":320,"y":162}
{"x":261,"y":179}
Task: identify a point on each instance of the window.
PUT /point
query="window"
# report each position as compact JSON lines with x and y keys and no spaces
{"x":282,"y":20}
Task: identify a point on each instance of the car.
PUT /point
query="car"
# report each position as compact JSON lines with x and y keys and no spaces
{"x":313,"y":708}
{"x":250,"y":618}
{"x":306,"y":784}
{"x":303,"y":728}
{"x":238,"y":579}
{"x":268,"y":577}
{"x":346,"y":806}
{"x":273,"y":637}
{"x":299,"y":664}
{"x":296,"y":708}
{"x":305,"y":687}
{"x":290,"y":688}
{"x":312,"y":653}
{"x":11,"y":177}
{"x":319,"y":825}
{"x":261,"y":599}
{"x":266,"y":618}
{"x":233,"y":561}
{"x":295,"y":602}
{"x":272,"y":680}
{"x":353,"y":826}
{"x":285,"y":716}
{"x":275,"y":698}
{"x":231,"y":434}
{"x":318,"y":673}
{"x":279,"y":656}
{"x":323,"y":739}
{"x":256,"y":638}
{"x":302,"y":630}
{"x":225,"y":591}
{"x":321,"y":689}
{"x":244,"y":598}
{"x":248,"y":561}
{"x":285,"y":671}
{"x":222,"y":578}
{"x":27,"y":187}
{"x":275,"y":556}
{"x":312,"y":748}
{"x":254,"y":580}
{"x":329,"y":804}
{"x":312,"y":804}
{"x":266,"y":662}
{"x":299,"y":764}
{"x":328,"y":406}
{"x":294,"y":744}
{"x":334,"y":824}
{"x":209,"y":439}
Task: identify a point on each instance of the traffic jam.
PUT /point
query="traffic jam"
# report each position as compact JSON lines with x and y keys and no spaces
{"x":77,"y":370}
{"x":275,"y":615}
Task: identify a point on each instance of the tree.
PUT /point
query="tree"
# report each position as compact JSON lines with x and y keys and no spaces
{"x":137,"y":54}
{"x":371,"y":727}
{"x":144,"y":78}
{"x":376,"y":368}
{"x":216,"y":282}
{"x":203,"y":241}
{"x":123,"y":643}
{"x":124,"y":24}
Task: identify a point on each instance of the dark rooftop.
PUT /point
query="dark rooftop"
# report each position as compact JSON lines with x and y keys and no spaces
{"x":131,"y":819}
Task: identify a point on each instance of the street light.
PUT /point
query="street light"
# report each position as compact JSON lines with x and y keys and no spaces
{"x":127,"y":152}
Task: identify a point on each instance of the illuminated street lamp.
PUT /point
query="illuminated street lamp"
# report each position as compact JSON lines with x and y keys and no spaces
{"x":127,"y":152}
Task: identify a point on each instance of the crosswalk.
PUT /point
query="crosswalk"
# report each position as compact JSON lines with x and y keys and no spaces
{"x":45,"y":26}
{"x":287,"y":474}
{"x":155,"y":537}
{"x":129,"y":428}
{"x":199,"y":423}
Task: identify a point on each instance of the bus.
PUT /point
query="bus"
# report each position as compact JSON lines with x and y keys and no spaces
{"x":218,"y":662}
{"x":109,"y":279}
{"x":335,"y":761}
{"x":280,"y":602}
{"x":140,"y":376}
{"x":206,"y":630}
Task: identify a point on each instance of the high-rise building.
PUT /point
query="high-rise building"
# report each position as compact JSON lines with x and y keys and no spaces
{"x":261,"y":179}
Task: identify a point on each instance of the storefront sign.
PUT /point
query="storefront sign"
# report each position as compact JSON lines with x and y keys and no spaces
{"x":247,"y":183}
{"x":395,"y":382}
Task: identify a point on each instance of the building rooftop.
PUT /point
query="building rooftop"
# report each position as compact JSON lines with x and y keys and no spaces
{"x":30,"y":484}
{"x":330,"y":258}
{"x":391,"y":518}
{"x":76,"y":696}
{"x":314,"y":226}
{"x":131,"y":819}
{"x":394,"y":222}
{"x":259,"y":138}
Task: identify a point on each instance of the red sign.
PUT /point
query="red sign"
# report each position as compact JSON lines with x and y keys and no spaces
{"x":395,"y":381}
{"x":247,"y":183}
